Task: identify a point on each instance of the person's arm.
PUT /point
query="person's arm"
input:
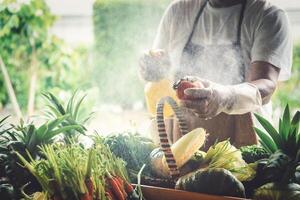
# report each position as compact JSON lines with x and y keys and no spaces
{"x":265,"y":77}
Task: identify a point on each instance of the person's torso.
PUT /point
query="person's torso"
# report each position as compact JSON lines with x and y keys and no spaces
{"x":216,"y":29}
{"x":215,"y":26}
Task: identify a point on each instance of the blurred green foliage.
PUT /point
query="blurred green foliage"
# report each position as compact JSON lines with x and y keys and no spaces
{"x":289,"y":91}
{"x":24,"y":29}
{"x":123,"y":30}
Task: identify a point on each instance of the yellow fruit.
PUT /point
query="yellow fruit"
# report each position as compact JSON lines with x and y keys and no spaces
{"x":154,"y":91}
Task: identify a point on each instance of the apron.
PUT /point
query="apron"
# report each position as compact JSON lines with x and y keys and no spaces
{"x":230,"y":64}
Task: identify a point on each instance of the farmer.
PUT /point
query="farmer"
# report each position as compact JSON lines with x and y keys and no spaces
{"x":238,"y":49}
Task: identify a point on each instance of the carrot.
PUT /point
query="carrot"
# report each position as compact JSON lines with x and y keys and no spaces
{"x":85,"y":196}
{"x":115,"y":188}
{"x":110,"y":195}
{"x":128,"y":187}
{"x":120,"y":183}
{"x":90,"y":186}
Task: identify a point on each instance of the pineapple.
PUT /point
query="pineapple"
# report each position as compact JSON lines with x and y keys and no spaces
{"x":286,"y":138}
{"x":21,"y":139}
{"x":73,"y":110}
{"x":284,"y":146}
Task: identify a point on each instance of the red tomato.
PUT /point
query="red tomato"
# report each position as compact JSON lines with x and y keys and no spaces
{"x":182,"y":85}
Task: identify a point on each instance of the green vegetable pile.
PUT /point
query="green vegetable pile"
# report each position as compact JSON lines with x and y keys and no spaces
{"x":254,"y":153}
{"x":134,"y":149}
{"x":73,"y":172}
{"x":267,"y":172}
{"x":49,"y":162}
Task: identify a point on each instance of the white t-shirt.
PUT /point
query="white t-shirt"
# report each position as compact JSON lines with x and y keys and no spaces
{"x":265,"y":34}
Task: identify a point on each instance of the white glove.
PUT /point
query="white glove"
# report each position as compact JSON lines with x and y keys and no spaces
{"x":216,"y":98}
{"x":154,"y":65}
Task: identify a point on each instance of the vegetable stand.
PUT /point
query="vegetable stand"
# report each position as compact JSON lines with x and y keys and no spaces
{"x":103,"y":171}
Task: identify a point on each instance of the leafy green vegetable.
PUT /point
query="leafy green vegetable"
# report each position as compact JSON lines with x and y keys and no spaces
{"x":134,"y":149}
{"x":22,"y":138}
{"x":253,"y":153}
{"x":224,"y":155}
{"x":64,"y":170}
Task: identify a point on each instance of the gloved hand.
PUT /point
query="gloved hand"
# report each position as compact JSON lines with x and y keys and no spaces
{"x":154,"y":65}
{"x":216,"y":98}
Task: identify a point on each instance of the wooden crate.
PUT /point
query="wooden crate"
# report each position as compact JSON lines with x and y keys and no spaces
{"x":157,"y":193}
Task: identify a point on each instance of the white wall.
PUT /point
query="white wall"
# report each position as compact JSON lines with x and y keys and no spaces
{"x":75,"y":23}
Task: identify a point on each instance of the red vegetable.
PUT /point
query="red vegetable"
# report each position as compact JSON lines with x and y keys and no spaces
{"x":90,"y":186}
{"x":182,"y":85}
{"x":115,"y":188}
{"x":120,"y":183}
{"x":109,"y":195}
{"x":128,"y":187}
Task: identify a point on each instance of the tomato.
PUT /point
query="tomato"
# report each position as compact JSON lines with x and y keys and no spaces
{"x":182,"y":85}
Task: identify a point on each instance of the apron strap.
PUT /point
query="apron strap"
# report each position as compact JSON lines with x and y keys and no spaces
{"x":196,"y":22}
{"x":239,"y":33}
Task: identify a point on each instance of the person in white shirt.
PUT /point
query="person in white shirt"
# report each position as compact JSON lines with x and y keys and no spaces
{"x":238,"y":49}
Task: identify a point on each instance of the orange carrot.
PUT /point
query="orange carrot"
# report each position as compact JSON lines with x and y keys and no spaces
{"x":110,"y":195}
{"x":120,"y":183}
{"x":115,"y":188}
{"x":85,"y":196}
{"x":128,"y":187}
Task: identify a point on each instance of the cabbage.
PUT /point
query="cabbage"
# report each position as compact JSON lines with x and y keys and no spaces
{"x":224,"y":155}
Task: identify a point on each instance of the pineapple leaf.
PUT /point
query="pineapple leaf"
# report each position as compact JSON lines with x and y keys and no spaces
{"x":296,"y":118}
{"x":291,"y":144}
{"x":56,"y":122}
{"x":296,"y":121}
{"x":285,"y":123}
{"x":55,"y":102}
{"x":270,"y":130}
{"x":265,"y":146}
{"x":12,"y":135}
{"x":267,"y":140}
{"x":3,"y":120}
{"x":55,"y":132}
{"x":76,"y":110}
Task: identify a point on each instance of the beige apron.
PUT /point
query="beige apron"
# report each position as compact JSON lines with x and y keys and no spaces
{"x":237,"y":128}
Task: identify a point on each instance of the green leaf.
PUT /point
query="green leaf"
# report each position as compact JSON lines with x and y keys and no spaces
{"x":71,"y":103}
{"x":296,"y":121}
{"x":55,"y":103}
{"x":56,"y":122}
{"x":266,"y":140}
{"x":296,"y":118}
{"x":286,"y":122}
{"x":270,"y":130}
{"x":28,"y":132}
{"x":53,"y":133}
{"x":3,"y":120}
{"x":76,"y":110}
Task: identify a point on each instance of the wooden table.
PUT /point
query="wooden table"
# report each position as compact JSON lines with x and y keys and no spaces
{"x":157,"y":193}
